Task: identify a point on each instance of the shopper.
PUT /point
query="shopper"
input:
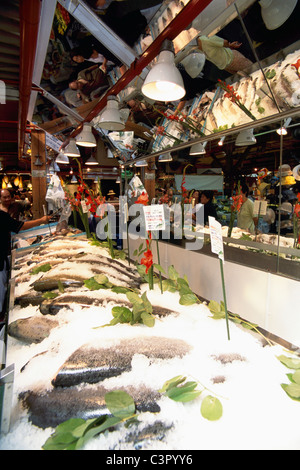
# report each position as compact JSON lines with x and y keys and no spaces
{"x":223,"y":54}
{"x":90,"y":83}
{"x":209,"y":207}
{"x":245,"y":218}
{"x":8,"y":225}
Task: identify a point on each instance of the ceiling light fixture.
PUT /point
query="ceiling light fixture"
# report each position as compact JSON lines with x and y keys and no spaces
{"x":283,"y":130}
{"x":91,"y":161}
{"x":164,"y":81}
{"x":38,"y":161}
{"x":245,"y":137}
{"x":141,"y":163}
{"x":221,"y":141}
{"x":72,"y":150}
{"x":86,"y":137}
{"x":167,"y":157}
{"x":62,"y":158}
{"x":198,"y":149}
{"x":74,"y":179}
{"x":276,"y":12}
{"x":110,"y":119}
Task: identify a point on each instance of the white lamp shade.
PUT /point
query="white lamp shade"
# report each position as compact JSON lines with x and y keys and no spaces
{"x":245,"y":137}
{"x":198,"y":149}
{"x":62,"y":159}
{"x":110,"y":119}
{"x":71,"y":149}
{"x":276,"y":12}
{"x":74,"y":179}
{"x":194,"y":63}
{"x":91,"y":161}
{"x":167,"y":157}
{"x":86,"y":137}
{"x":164,"y":81}
{"x":283,"y":130}
{"x":141,"y":163}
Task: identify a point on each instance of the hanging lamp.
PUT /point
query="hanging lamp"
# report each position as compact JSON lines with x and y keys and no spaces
{"x":167,"y":157}
{"x":74,"y":179}
{"x":62,"y":159}
{"x":71,"y":149}
{"x":164,"y":81}
{"x":141,"y":163}
{"x":245,"y":137}
{"x":283,"y":130}
{"x":198,"y":149}
{"x":276,"y":12}
{"x":221,"y":141}
{"x":110,"y":119}
{"x":91,"y":161}
{"x":86,"y":137}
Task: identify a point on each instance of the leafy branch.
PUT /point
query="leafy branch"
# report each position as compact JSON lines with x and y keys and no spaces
{"x":74,"y":433}
{"x":141,"y":311}
{"x":218,"y":312}
{"x":181,"y":285}
{"x":293,"y":388}
{"x":179,"y":390}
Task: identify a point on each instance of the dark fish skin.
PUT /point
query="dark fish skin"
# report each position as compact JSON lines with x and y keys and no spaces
{"x":52,"y":307}
{"x":29,"y":299}
{"x":49,"y":409}
{"x":44,"y":285}
{"x":91,"y":364}
{"x":31,"y":329}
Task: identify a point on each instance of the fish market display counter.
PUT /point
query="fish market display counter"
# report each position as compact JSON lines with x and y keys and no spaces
{"x":85,"y":331}
{"x":253,"y":288}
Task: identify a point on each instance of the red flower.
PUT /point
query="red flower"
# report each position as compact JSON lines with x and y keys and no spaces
{"x":142,"y":199}
{"x":297,"y":67}
{"x":147,"y":259}
{"x":297,"y":210}
{"x":237,"y":202}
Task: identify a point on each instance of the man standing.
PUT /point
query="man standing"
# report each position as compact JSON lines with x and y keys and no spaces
{"x":9,"y":225}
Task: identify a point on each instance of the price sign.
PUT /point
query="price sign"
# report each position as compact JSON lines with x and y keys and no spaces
{"x":216,"y":238}
{"x":154,"y":217}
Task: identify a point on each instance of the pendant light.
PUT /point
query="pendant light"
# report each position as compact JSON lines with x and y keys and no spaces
{"x":110,"y":119}
{"x":86,"y":137}
{"x":71,"y":149}
{"x":38,"y":161}
{"x":141,"y":163}
{"x":198,"y":149}
{"x":221,"y":141}
{"x":74,"y":179}
{"x":62,"y":159}
{"x":167,"y":157}
{"x":164,"y":81}
{"x":245,"y":137}
{"x":91,"y":161}
{"x":276,"y":12}
{"x":283,"y":130}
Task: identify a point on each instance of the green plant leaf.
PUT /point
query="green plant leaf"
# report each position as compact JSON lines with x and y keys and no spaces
{"x":290,"y":362}
{"x":120,"y":404}
{"x":134,"y":298}
{"x":101,"y":279}
{"x":293,"y":390}
{"x":92,"y":284}
{"x":188,"y":299}
{"x":296,"y":377}
{"x":184,"y":393}
{"x":148,"y":319}
{"x":146,"y":303}
{"x":211,"y":408}
{"x":41,"y":269}
{"x":60,"y":287}
{"x":122,"y":313}
{"x":169,"y":285}
{"x":120,"y":289}
{"x":172,"y":383}
{"x":173,"y":274}
{"x":49,"y":295}
{"x":159,"y":268}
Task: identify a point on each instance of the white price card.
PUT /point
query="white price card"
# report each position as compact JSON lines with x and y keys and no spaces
{"x":84,"y":207}
{"x":260,"y":207}
{"x":216,"y":238}
{"x":154,"y":217}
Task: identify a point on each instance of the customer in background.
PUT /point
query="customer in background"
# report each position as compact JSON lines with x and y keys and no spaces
{"x":209,"y":207}
{"x":245,"y":218}
{"x":90,"y":83}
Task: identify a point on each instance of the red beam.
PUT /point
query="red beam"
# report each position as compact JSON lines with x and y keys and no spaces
{"x":30,"y":11}
{"x":178,"y":24}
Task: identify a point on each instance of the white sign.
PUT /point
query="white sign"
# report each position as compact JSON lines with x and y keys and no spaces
{"x":260,"y":207}
{"x":154,"y":217}
{"x":216,"y":238}
{"x":53,"y":142}
{"x":84,"y":207}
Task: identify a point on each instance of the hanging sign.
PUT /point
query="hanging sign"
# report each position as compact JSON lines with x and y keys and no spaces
{"x":53,"y":142}
{"x":154,"y":217}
